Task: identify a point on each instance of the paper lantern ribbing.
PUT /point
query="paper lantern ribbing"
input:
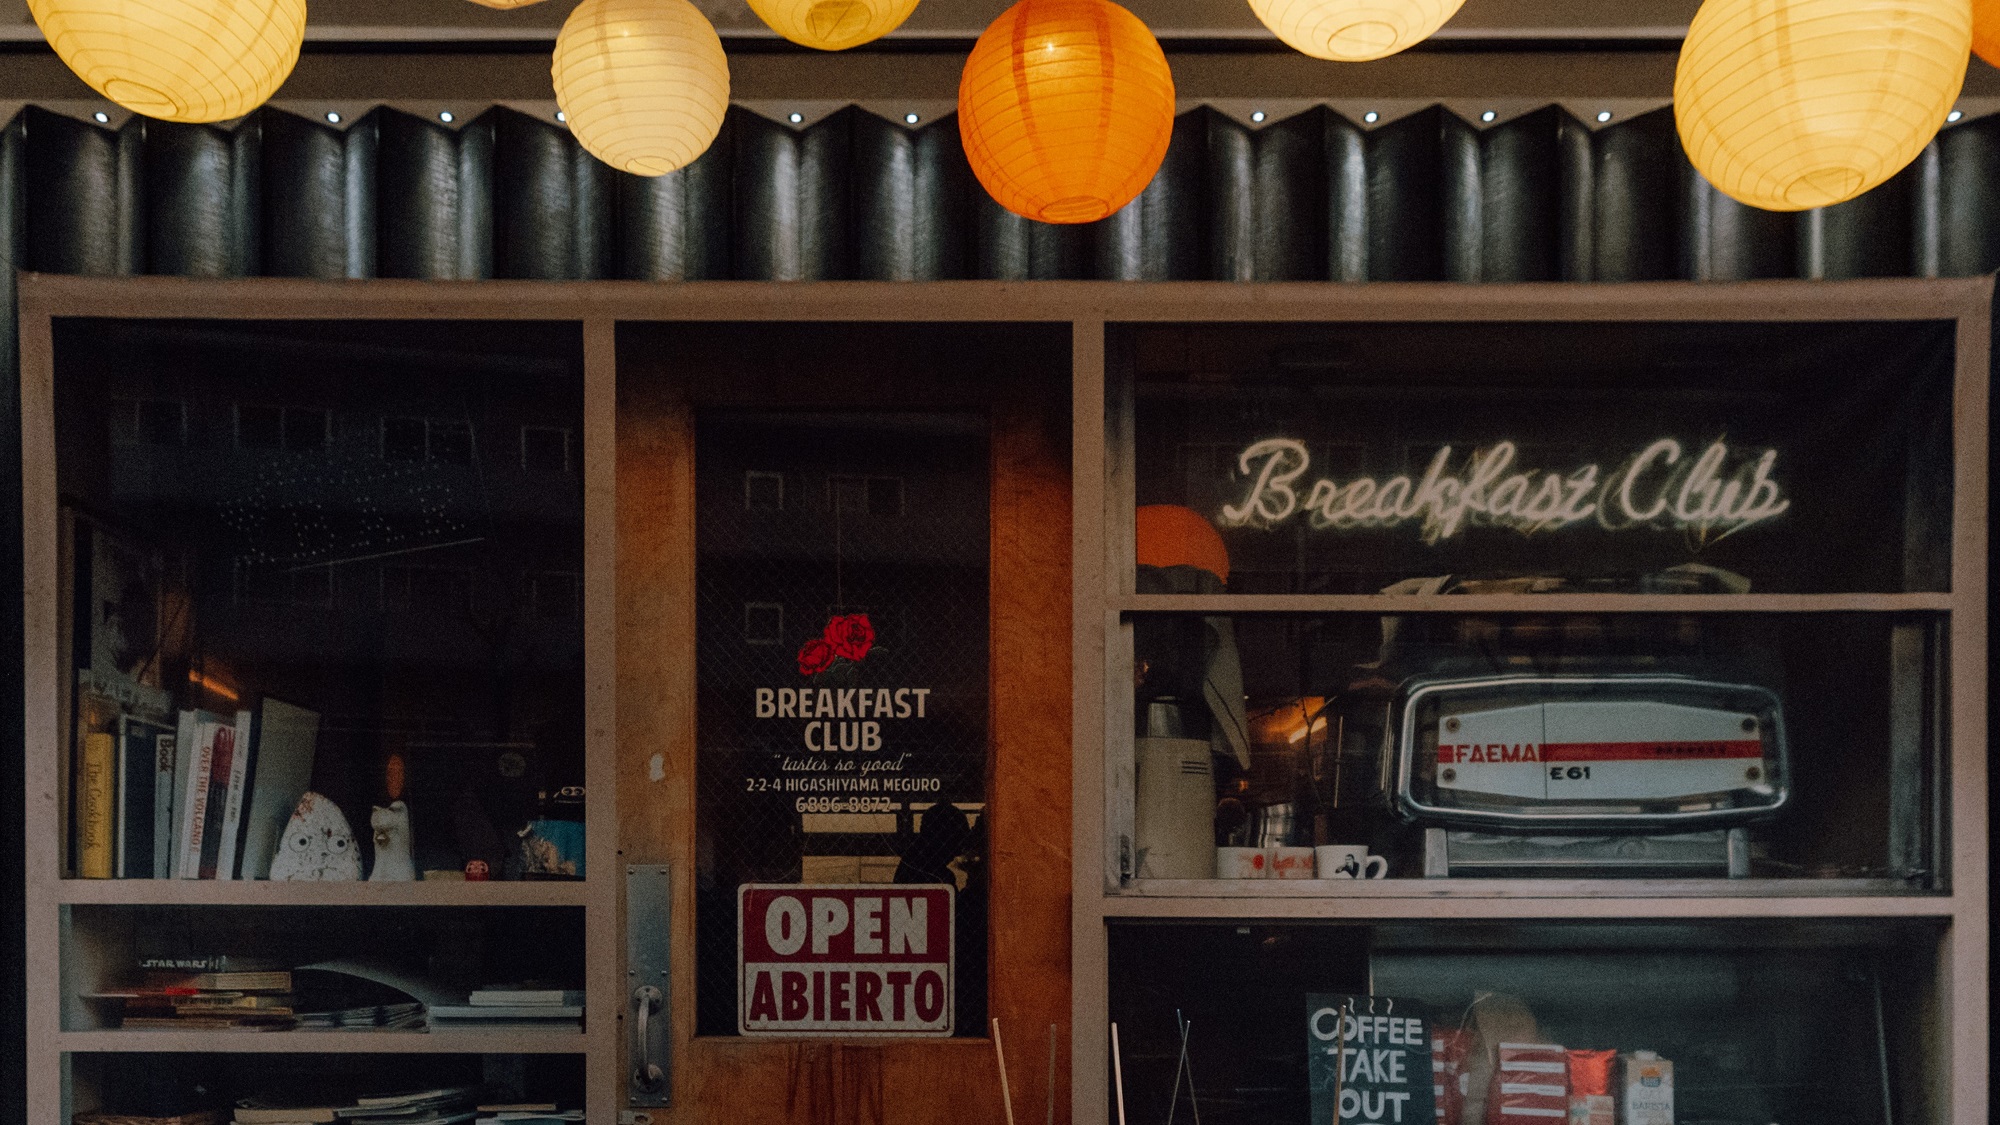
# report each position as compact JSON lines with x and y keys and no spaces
{"x":1791,"y":104}
{"x":1065,"y":108}
{"x":643,"y":83}
{"x":1986,"y":30}
{"x":1353,"y":30}
{"x":177,"y":60}
{"x":833,"y":25}
{"x":505,"y":3}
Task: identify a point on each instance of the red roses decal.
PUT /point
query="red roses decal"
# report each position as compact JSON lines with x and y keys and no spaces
{"x":815,"y":656}
{"x":848,"y":637}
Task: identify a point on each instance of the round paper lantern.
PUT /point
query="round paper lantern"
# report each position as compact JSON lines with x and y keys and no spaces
{"x":505,"y":3}
{"x":1986,"y":30}
{"x":1353,"y":30}
{"x":643,"y":83}
{"x":833,"y":25}
{"x":177,"y":60}
{"x":1065,"y":108}
{"x":1170,"y":535}
{"x":1791,"y":104}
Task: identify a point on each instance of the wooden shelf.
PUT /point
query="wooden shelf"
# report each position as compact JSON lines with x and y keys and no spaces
{"x":204,"y":892}
{"x":324,"y":1042}
{"x":1461,"y":889}
{"x":1553,"y":906}
{"x":1531,"y":603}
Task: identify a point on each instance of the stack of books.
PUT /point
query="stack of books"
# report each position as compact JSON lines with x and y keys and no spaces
{"x":229,"y":999}
{"x":365,"y":1017}
{"x":527,"y":1113}
{"x":512,"y":1008}
{"x":205,"y":795}
{"x":444,"y":1106}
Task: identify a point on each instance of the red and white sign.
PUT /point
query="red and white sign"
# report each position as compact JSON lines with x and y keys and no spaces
{"x":857,"y":959}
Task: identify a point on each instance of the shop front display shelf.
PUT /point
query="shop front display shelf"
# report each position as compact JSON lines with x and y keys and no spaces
{"x":208,"y":892}
{"x":566,"y":1042}
{"x":1532,"y":603}
{"x":1517,"y":904}
{"x":1459,"y":888}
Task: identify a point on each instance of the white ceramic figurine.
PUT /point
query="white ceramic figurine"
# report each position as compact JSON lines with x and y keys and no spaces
{"x":393,"y":862}
{"x":318,"y":845}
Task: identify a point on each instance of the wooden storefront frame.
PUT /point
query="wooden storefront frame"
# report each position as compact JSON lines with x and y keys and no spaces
{"x":1101,"y":546}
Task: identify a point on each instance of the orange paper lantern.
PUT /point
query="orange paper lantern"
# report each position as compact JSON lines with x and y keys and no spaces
{"x":1170,"y":535}
{"x":1066,"y":107}
{"x":1986,"y":30}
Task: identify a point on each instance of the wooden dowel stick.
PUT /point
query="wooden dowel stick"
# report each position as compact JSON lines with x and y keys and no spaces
{"x":1118,"y":1074}
{"x":1000,"y":1053}
{"x":1052,"y":1074}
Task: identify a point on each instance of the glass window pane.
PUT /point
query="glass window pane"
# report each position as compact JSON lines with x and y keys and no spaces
{"x":1647,"y":458}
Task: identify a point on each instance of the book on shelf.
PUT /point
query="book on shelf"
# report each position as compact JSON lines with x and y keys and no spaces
{"x":198,"y":1117}
{"x":96,"y":790}
{"x":205,"y":963}
{"x":283,"y":741}
{"x":473,"y":1013}
{"x":504,"y":996}
{"x":145,"y":799}
{"x":202,"y":734}
{"x":107,"y":707}
{"x":286,"y":1111}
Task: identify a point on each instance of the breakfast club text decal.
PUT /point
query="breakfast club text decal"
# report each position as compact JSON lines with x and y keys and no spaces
{"x":1717,"y":490}
{"x":847,"y":742}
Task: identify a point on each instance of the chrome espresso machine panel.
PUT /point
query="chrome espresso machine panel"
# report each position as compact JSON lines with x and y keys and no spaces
{"x":1623,"y":753}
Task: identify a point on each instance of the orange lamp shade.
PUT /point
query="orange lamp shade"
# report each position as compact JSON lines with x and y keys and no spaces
{"x":177,"y":60}
{"x":833,"y":25}
{"x":1793,"y":104}
{"x":643,"y":83}
{"x":1353,"y":30}
{"x":1170,"y":535}
{"x":1065,"y":108}
{"x":1986,"y":30}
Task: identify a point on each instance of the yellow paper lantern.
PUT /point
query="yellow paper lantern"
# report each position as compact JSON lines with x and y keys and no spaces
{"x":1353,"y":30}
{"x":505,"y":3}
{"x":1986,"y":30}
{"x":1065,"y":108}
{"x":833,"y":25}
{"x":1791,"y":104}
{"x":177,"y":60}
{"x":643,"y":83}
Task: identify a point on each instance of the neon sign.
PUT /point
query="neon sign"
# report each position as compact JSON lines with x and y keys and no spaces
{"x":1660,"y":486}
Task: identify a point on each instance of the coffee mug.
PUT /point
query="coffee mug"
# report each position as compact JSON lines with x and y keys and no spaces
{"x":1349,"y":861}
{"x":1242,"y":863}
{"x":1291,"y":863}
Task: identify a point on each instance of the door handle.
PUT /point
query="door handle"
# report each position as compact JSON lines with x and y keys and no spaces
{"x":649,"y":976}
{"x":646,"y":1074}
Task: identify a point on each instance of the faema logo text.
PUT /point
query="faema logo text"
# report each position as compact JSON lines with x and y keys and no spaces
{"x":858,"y":959}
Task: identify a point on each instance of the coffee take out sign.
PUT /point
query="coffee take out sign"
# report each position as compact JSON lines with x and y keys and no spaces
{"x":1716,"y":491}
{"x":858,"y":959}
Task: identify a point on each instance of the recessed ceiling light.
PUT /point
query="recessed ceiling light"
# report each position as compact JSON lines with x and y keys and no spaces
{"x":1488,"y":115}
{"x":1954,"y":115}
{"x":332,"y":118}
{"x":796,"y":118}
{"x":102,"y":117}
{"x":561,"y":116}
{"x":446,"y":117}
{"x":1371,"y":117}
{"x":1603,"y":115}
{"x":1257,"y":116}
{"x":909,"y":119}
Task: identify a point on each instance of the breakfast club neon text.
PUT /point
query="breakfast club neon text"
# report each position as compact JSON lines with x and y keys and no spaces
{"x":1662,"y":486}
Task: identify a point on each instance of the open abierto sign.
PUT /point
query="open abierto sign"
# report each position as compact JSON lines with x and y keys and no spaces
{"x":858,"y":959}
